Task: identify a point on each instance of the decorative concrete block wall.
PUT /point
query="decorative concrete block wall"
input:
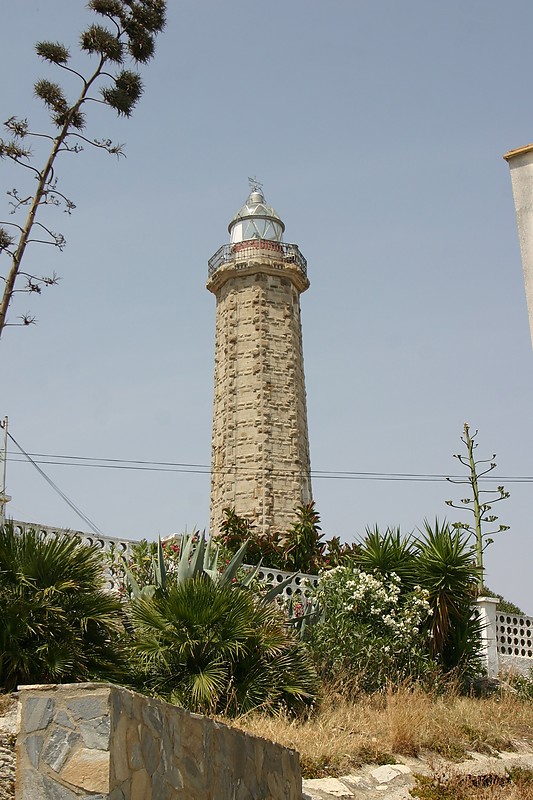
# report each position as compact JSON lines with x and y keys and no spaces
{"x":514,"y":637}
{"x":90,"y":741}
{"x":506,"y":641}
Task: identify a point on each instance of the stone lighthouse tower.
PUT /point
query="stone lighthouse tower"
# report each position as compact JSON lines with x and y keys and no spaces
{"x":260,"y":449}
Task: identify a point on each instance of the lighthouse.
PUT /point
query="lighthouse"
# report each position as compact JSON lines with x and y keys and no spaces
{"x":260,"y":462}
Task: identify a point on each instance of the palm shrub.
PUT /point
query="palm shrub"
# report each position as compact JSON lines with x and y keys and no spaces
{"x":57,"y":621}
{"x":204,"y":639}
{"x":216,"y":648}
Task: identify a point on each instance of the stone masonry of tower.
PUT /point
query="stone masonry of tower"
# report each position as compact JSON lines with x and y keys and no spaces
{"x":260,"y":445}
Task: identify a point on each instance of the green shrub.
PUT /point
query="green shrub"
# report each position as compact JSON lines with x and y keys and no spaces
{"x":215,"y":648}
{"x":446,"y":569}
{"x":370,"y":634}
{"x":300,"y":549}
{"x":57,"y":621}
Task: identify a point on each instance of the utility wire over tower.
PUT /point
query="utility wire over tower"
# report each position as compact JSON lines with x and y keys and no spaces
{"x":260,"y":449}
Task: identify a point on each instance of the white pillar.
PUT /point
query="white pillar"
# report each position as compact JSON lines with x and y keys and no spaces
{"x":486,"y":607}
{"x":521,"y":166}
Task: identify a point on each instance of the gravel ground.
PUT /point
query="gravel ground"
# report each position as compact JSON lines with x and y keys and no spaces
{"x":8,"y":727}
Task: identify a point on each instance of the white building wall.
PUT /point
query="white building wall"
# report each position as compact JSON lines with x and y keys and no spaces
{"x":521,"y":167}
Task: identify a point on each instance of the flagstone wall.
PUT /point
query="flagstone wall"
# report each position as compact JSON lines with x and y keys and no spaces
{"x":91,"y":741}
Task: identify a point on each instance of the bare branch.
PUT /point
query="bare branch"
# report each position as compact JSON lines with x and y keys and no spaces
{"x":26,"y":319}
{"x":13,"y":224}
{"x":103,"y":144}
{"x":76,"y":148}
{"x":27,"y":166}
{"x":131,"y":39}
{"x":47,"y":280}
{"x":74,"y":72}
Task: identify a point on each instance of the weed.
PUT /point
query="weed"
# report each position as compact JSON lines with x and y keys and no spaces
{"x":517,"y":784}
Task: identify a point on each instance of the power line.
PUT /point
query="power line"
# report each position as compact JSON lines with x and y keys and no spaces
{"x":205,"y":469}
{"x":56,"y":488}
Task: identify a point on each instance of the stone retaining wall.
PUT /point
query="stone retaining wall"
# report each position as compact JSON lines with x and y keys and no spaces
{"x":90,"y":741}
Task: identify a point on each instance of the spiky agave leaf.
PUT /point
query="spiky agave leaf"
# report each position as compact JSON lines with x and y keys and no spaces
{"x":183,"y":572}
{"x":196,"y":565}
{"x":160,"y":570}
{"x":211,"y":559}
{"x":229,"y":574}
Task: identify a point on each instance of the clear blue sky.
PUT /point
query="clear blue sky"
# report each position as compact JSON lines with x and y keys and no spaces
{"x":377,"y":129}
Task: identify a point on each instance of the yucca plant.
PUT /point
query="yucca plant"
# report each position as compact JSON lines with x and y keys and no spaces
{"x":388,"y":553}
{"x":57,"y":621}
{"x":446,"y":568}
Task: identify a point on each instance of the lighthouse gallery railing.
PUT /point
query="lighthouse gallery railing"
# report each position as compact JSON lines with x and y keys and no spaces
{"x":242,"y":253}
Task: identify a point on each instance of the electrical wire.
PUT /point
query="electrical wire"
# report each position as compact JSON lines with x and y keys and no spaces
{"x":56,"y":488}
{"x":205,"y":469}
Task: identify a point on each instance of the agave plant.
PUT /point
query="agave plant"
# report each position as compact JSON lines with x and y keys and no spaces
{"x":204,"y":639}
{"x":57,"y":621}
{"x":200,"y":556}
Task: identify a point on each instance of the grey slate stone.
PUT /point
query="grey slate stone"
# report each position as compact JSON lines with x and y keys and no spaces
{"x":58,"y":746}
{"x":88,"y":707}
{"x":95,"y":733}
{"x":41,"y":787}
{"x":33,"y":745}
{"x":151,"y":751}
{"x":39,"y":712}
{"x":63,"y":719}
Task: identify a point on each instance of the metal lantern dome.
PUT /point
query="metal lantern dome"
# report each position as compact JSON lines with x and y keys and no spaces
{"x":256,"y":220}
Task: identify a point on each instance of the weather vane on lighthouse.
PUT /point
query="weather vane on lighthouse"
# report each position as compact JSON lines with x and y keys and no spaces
{"x":255,"y":185}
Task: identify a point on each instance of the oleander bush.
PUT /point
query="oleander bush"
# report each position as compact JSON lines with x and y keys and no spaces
{"x":371,"y":632}
{"x":402,"y":610}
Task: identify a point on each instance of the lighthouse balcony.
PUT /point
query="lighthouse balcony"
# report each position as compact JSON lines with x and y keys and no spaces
{"x":249,"y":253}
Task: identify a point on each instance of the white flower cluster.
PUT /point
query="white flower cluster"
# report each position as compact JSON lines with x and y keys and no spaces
{"x":349,"y":594}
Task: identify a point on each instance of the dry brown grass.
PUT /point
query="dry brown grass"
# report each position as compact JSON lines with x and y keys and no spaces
{"x":342,"y":735}
{"x":7,"y":702}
